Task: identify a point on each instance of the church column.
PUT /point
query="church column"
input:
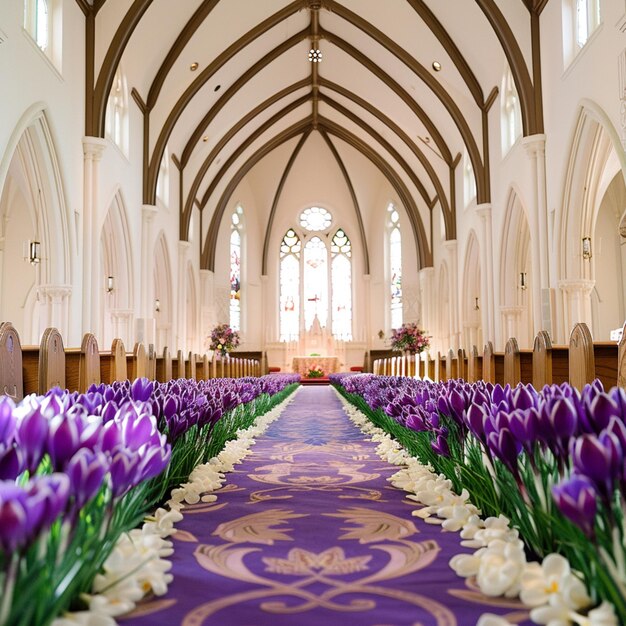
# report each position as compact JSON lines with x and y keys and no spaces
{"x":484,"y":210}
{"x":54,"y":302}
{"x":368,"y":313}
{"x":511,"y":316}
{"x":427,"y":277}
{"x":145,"y":326}
{"x":121,"y":319}
{"x":265,"y":336}
{"x":542,"y":314}
{"x":453,"y":265}
{"x":181,"y":290}
{"x":93,"y":148}
{"x":207,"y":321}
{"x":577,"y":301}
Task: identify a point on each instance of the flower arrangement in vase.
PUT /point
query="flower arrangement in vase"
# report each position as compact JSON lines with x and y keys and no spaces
{"x":224,"y":339}
{"x":315,"y":372}
{"x":409,"y":338}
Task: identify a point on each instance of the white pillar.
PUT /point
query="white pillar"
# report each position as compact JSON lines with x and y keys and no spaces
{"x":488,"y":304}
{"x":93,"y":148}
{"x":577,"y":302}
{"x":542,"y":314}
{"x":265,"y":299}
{"x":145,"y":330}
{"x":511,"y":316}
{"x":453,"y":266}
{"x":207,"y":321}
{"x":54,"y":302}
{"x":367,"y":282}
{"x":427,"y":276}
{"x":181,"y":290}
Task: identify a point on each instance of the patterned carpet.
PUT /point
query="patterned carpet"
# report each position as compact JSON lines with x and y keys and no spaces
{"x":309,"y":531}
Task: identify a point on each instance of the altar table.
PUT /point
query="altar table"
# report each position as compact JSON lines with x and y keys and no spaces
{"x":302,"y":364}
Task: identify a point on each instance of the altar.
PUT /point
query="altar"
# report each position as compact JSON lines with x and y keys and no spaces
{"x":302,"y":364}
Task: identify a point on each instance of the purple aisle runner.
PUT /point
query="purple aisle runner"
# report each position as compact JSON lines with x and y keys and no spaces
{"x":308,"y":531}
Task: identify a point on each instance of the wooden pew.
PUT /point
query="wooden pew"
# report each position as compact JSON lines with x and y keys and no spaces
{"x":82,"y":365}
{"x":582,"y":366}
{"x":151,"y":362}
{"x":550,"y":362}
{"x":452,"y":365}
{"x":11,"y":374}
{"x":621,"y":360}
{"x":461,"y":364}
{"x":190,"y":366}
{"x":113,"y":365}
{"x":164,"y":366}
{"x":474,"y":366}
{"x":489,"y":363}
{"x":431,"y":366}
{"x":518,"y":364}
{"x":138,"y":362}
{"x":50,"y":363}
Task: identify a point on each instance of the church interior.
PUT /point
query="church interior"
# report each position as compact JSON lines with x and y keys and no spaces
{"x":315,"y":174}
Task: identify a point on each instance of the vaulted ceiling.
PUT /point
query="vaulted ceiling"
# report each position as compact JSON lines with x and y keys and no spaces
{"x":254,"y":90}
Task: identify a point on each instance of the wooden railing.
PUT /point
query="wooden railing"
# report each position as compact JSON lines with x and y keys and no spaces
{"x":578,"y":363}
{"x":36,"y":369}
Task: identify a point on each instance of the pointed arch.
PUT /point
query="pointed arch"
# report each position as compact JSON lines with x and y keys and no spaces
{"x":472,"y":293}
{"x":31,"y":179}
{"x":117,"y":262}
{"x":516,"y":273}
{"x":162,"y":279}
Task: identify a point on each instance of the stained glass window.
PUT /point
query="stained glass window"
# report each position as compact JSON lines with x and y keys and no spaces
{"x":235,"y":269}
{"x":511,"y":112}
{"x":341,"y":283}
{"x":41,"y":26}
{"x":290,"y":249}
{"x":315,"y":282}
{"x":315,"y":218}
{"x":395,"y":267}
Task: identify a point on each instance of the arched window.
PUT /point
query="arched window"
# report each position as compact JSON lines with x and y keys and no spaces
{"x":38,"y":24}
{"x":511,"y":112}
{"x":117,"y":113}
{"x":163,"y":181}
{"x":469,"y":180}
{"x":341,"y":273}
{"x":395,"y":267}
{"x":586,"y":20}
{"x":316,"y":280}
{"x":290,"y":249}
{"x":236,"y":228}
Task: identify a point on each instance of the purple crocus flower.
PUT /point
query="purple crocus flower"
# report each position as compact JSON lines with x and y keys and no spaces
{"x":599,"y":459}
{"x":8,"y":423}
{"x":440,"y":446}
{"x":124,"y":471}
{"x":576,"y":498}
{"x":505,"y":447}
{"x":86,"y":471}
{"x":32,"y":435}
{"x":141,"y":390}
{"x":11,"y":462}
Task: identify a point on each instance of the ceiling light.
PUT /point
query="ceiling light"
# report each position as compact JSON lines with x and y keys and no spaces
{"x":194,"y":66}
{"x":437,"y":66}
{"x":315,"y":55}
{"x":217,"y":87}
{"x":205,"y":138}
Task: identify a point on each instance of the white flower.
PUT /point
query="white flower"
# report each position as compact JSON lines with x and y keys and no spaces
{"x":501,"y":566}
{"x":162,"y":522}
{"x":466,"y":565}
{"x":604,"y":615}
{"x":541,"y":584}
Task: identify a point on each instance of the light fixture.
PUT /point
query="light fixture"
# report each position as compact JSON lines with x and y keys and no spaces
{"x":217,"y":87}
{"x":586,"y":248}
{"x":476,"y":307}
{"x":315,"y":55}
{"x":194,"y":66}
{"x":110,"y":284}
{"x":522,"y":280}
{"x":157,"y":305}
{"x":437,"y":66}
{"x":33,"y":254}
{"x":205,"y":138}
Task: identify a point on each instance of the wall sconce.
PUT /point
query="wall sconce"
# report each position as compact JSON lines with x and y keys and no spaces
{"x":110,"y":284}
{"x":586,"y":248}
{"x":157,"y":305}
{"x":522,"y":281}
{"x":32,"y":252}
{"x":476,"y":307}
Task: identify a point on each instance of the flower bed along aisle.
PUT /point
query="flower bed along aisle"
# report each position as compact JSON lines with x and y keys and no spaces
{"x":78,"y":471}
{"x":551,"y":462}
